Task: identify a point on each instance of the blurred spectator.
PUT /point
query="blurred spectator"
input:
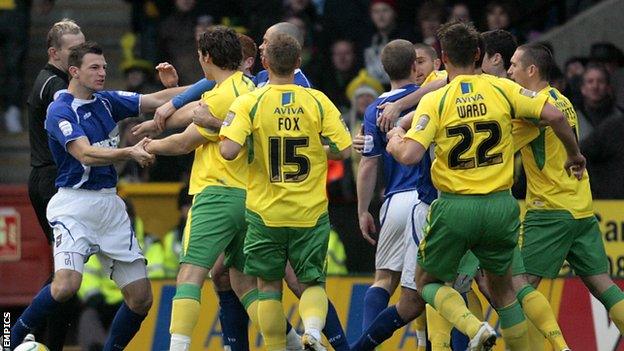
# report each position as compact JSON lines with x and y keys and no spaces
{"x":307,"y":50}
{"x":598,"y":103}
{"x":613,"y":59}
{"x":498,"y":15}
{"x":177,"y":41}
{"x":333,"y":82}
{"x":557,"y":79}
{"x":573,"y":71}
{"x":460,"y":12}
{"x":336,"y":255}
{"x":144,"y":18}
{"x":431,"y":15}
{"x":349,"y":19}
{"x":605,"y":159}
{"x":384,"y":16}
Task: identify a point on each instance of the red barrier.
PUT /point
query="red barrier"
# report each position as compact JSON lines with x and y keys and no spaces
{"x":25,"y":256}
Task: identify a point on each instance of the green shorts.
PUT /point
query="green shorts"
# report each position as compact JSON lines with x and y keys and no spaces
{"x":215,"y":224}
{"x":550,"y":237}
{"x":485,"y":224}
{"x":469,"y":265}
{"x":268,"y":248}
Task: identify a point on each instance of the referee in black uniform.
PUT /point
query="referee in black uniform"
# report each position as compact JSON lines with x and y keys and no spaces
{"x":52,"y":78}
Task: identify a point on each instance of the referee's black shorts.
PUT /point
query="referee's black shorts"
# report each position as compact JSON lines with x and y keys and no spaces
{"x":40,"y":190}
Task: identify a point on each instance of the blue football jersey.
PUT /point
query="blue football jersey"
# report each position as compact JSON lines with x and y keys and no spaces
{"x":397,"y":177}
{"x":262,"y":79}
{"x":69,"y":118}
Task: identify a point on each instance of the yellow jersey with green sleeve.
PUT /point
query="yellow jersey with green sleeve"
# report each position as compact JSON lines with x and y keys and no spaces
{"x":434,"y":75}
{"x":549,"y":187}
{"x":209,"y":168}
{"x":469,"y":121}
{"x":285,"y":128}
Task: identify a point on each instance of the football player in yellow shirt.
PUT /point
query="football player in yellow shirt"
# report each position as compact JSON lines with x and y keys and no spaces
{"x":216,"y":220}
{"x":283,"y":125}
{"x":470,"y":122}
{"x":560,"y":223}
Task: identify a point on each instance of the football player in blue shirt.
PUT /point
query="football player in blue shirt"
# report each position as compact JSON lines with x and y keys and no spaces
{"x":86,"y":214}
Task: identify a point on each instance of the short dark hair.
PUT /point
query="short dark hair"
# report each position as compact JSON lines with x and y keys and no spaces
{"x":248,"y":46}
{"x":501,"y":42}
{"x":460,"y":42}
{"x":538,"y":55}
{"x":428,"y":49}
{"x":78,"y":52}
{"x":223,"y":46}
{"x":397,"y":58}
{"x":282,"y":53}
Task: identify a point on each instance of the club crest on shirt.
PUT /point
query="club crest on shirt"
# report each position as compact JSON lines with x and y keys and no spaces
{"x":368,"y":143}
{"x":423,"y":120}
{"x":229,"y":118}
{"x":527,"y":92}
{"x":65,"y":127}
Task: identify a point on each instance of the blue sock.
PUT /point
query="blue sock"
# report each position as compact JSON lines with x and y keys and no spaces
{"x":42,"y":306}
{"x":382,"y":328}
{"x":234,"y":321}
{"x":333,"y":330}
{"x":125,"y":325}
{"x":375,"y":300}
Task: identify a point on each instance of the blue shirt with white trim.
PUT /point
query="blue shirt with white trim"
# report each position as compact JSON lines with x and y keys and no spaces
{"x":398,"y":177}
{"x":69,"y":119}
{"x":262,"y":79}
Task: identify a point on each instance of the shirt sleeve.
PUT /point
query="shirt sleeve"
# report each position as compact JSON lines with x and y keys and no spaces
{"x":425,"y":122}
{"x":374,"y":144}
{"x":193,"y":93}
{"x":237,"y":124}
{"x":62,"y":127}
{"x":122,"y":104}
{"x":333,"y":127}
{"x":526,"y":104}
{"x":523,"y":133}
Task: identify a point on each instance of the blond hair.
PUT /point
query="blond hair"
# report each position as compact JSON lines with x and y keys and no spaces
{"x":65,"y":26}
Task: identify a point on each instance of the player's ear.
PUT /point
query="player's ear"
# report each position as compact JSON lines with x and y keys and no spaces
{"x":264,"y":61}
{"x":298,"y":62}
{"x":477,"y":56}
{"x":53,"y":52}
{"x":73,"y":71}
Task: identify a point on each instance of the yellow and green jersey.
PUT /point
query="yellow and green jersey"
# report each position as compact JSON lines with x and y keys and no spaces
{"x":549,"y":187}
{"x":434,"y":75}
{"x":209,"y":168}
{"x":284,"y":127}
{"x":469,"y":121}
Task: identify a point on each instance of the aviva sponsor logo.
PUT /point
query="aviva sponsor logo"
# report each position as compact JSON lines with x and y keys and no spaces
{"x":466,"y":88}
{"x":288,"y":98}
{"x":468,"y":99}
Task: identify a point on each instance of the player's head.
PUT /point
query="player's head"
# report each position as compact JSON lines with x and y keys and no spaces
{"x":398,"y":59}
{"x":250,"y":50}
{"x":219,"y":48}
{"x":500,"y":46}
{"x":284,"y":28}
{"x":460,"y":44}
{"x":62,"y":36}
{"x":531,"y":63}
{"x":426,"y":61}
{"x":87,"y":66}
{"x":282,"y":55}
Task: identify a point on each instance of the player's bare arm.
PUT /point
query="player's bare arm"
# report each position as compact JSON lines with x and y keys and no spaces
{"x":557,"y":121}
{"x":405,"y":150}
{"x":150,"y":102}
{"x":203,"y":117}
{"x":177,"y":144}
{"x":366,"y":179}
{"x":341,"y":155}
{"x":181,"y":118}
{"x":89,"y":155}
{"x":229,"y":149}
{"x":392,"y":110}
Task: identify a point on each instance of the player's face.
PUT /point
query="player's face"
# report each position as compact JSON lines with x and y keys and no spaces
{"x":265,"y":40}
{"x":487,"y":66}
{"x":92,"y":73}
{"x":517,"y":71}
{"x":424,"y":66}
{"x":62,"y":53}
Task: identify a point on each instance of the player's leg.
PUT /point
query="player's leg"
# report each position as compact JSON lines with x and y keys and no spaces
{"x":206,"y":235}
{"x":266,"y":250}
{"x":131,"y":278}
{"x":307,"y":251}
{"x":393,"y":216}
{"x":589,"y":260}
{"x":495,"y":251}
{"x":232,"y":314}
{"x":451,"y":226}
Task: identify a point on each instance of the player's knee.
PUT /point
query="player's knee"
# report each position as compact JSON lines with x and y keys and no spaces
{"x":222,"y":281}
{"x":387,"y":279}
{"x":64,"y":289}
{"x":410,"y":305}
{"x":141,"y":303}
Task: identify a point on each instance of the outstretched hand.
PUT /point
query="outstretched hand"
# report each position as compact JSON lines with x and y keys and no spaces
{"x":167,"y":74}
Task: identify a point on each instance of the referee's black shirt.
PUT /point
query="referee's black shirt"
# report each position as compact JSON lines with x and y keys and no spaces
{"x":48,"y":82}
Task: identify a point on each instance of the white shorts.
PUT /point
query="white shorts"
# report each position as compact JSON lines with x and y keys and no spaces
{"x":394,"y":215}
{"x":414,"y":233}
{"x":86,"y":222}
